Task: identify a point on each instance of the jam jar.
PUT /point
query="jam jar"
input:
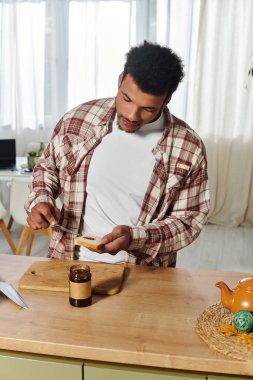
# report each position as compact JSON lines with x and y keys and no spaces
{"x":80,"y":285}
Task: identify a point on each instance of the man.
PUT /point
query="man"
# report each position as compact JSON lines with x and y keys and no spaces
{"x":127,"y":170}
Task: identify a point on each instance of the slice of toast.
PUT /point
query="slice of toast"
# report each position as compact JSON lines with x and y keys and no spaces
{"x":92,"y":242}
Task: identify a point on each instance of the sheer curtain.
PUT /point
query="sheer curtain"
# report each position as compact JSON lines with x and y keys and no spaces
{"x":55,"y":54}
{"x":22,"y":70}
{"x":223,"y":106}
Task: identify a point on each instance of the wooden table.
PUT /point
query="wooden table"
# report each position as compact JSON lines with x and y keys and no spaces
{"x":17,"y":172}
{"x":147,"y":329}
{"x":8,"y":175}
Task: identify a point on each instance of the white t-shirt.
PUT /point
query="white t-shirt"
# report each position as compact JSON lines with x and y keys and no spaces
{"x":118,"y":177}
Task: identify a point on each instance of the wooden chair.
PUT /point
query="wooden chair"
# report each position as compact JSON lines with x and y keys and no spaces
{"x":18,"y":197}
{"x":5,"y":230}
{"x":27,"y":235}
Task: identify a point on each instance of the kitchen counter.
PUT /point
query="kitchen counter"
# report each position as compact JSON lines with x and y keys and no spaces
{"x":150,"y":323}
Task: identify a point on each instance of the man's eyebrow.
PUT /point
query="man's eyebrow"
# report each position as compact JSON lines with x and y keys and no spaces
{"x":149,"y":107}
{"x":125,"y":95}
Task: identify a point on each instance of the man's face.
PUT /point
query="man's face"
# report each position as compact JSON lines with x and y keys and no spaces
{"x":136,"y":108}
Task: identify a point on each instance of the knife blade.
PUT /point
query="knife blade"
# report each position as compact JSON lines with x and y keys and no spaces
{"x":65,"y":229}
{"x":13,"y":294}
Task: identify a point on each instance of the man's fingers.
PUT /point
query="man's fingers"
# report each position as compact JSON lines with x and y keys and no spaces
{"x":47,"y":212}
{"x":117,"y":240}
{"x":36,"y":220}
{"x":118,"y":244}
{"x":117,"y":232}
{"x":108,"y":238}
{"x":50,"y":219}
{"x":42,"y":215}
{"x":31,"y":223}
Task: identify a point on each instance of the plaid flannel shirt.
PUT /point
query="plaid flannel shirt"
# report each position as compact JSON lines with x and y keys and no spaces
{"x":176,"y":202}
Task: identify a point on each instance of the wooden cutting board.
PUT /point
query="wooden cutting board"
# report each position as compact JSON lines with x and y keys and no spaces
{"x":53,"y":275}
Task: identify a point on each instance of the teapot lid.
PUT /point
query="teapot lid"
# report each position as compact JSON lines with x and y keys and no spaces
{"x":247,"y":283}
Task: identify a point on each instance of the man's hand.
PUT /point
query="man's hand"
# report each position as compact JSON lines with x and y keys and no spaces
{"x":117,"y":240}
{"x":42,"y":215}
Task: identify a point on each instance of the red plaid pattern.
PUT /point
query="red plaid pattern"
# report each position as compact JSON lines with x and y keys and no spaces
{"x":176,"y":203}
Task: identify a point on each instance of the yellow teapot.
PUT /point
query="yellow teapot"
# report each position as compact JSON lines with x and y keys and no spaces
{"x":240,"y":298}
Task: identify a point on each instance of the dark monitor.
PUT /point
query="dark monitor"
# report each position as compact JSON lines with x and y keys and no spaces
{"x":7,"y":153}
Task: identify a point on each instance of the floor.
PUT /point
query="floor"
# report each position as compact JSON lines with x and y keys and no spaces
{"x":217,"y":248}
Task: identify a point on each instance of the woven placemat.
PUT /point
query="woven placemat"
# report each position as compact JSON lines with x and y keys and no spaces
{"x":207,"y":326}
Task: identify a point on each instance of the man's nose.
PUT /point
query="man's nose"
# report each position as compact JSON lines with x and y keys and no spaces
{"x":133,"y":113}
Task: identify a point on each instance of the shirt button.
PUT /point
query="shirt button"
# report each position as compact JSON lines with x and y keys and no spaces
{"x":94,"y":141}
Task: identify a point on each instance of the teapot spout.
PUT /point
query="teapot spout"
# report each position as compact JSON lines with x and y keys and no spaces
{"x":226,"y":294}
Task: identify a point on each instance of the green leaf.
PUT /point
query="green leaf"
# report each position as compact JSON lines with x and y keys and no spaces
{"x":33,"y":154}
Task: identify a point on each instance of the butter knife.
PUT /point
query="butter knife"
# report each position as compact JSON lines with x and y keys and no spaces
{"x":72,"y":232}
{"x":12,"y":293}
{"x":64,"y":229}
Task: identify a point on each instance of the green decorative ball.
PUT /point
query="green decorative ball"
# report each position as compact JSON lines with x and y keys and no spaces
{"x":243,"y":320}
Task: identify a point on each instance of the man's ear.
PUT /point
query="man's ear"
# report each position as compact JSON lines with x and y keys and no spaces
{"x":120,"y":79}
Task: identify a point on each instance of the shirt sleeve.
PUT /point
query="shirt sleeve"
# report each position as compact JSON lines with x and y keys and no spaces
{"x":45,"y":186}
{"x":183,"y":218}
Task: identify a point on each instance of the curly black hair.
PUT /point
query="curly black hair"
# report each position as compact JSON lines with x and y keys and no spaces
{"x":156,"y":70}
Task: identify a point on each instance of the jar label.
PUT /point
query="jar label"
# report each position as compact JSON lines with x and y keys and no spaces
{"x":80,"y":291}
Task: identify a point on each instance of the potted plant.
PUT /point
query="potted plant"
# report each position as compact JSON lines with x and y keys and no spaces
{"x":31,"y":160}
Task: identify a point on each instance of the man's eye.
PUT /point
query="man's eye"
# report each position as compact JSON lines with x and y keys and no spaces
{"x":151,"y":110}
{"x":126,"y":99}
